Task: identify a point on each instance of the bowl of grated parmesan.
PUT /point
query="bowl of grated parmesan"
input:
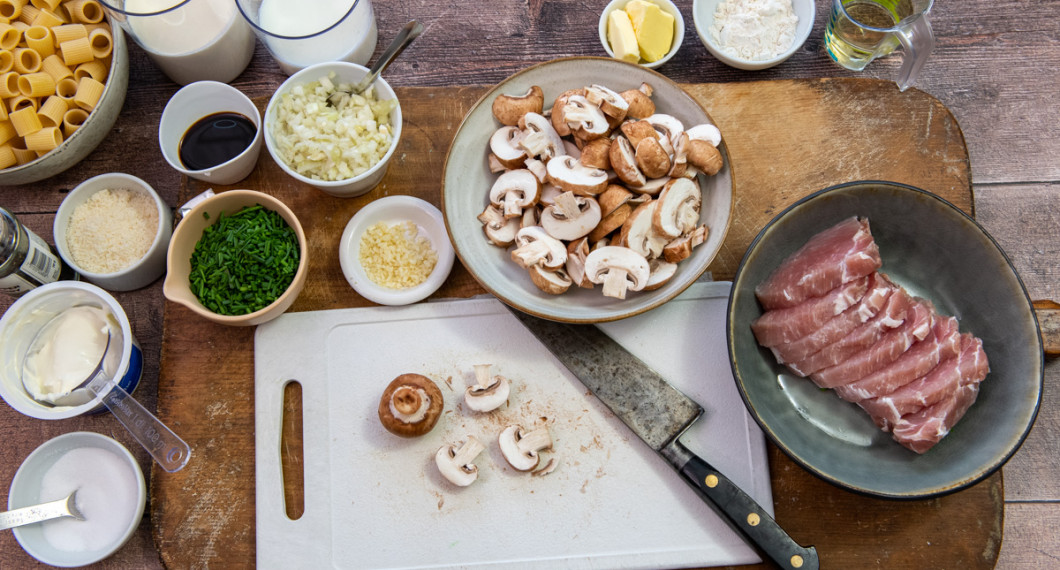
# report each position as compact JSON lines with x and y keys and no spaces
{"x":114,"y":230}
{"x":753,"y":34}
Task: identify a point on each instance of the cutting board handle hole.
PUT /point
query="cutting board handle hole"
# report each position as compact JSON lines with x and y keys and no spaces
{"x":291,"y":451}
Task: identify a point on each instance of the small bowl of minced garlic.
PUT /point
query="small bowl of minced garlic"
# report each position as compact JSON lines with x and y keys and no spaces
{"x":645,"y":32}
{"x":753,"y":34}
{"x":396,"y":251}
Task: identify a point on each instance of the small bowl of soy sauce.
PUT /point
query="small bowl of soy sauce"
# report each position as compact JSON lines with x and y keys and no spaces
{"x":211,"y":131}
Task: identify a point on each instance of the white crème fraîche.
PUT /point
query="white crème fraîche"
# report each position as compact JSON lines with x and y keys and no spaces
{"x":754,"y":29}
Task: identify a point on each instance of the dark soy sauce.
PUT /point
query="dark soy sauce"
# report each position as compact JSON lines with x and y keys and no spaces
{"x":216,"y":139}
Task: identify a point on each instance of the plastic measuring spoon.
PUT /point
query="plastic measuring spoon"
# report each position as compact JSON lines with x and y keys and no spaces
{"x":42,"y":512}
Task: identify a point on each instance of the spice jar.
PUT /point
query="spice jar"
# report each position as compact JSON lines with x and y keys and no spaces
{"x":26,"y":260}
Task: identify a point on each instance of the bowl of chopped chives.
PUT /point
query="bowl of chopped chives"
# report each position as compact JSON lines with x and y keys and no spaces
{"x":237,"y":258}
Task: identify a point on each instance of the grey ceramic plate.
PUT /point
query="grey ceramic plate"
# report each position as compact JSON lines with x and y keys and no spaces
{"x":467,"y":180}
{"x":935,"y":251}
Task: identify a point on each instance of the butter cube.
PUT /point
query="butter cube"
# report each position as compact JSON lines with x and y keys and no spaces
{"x":653,"y":28}
{"x":621,"y":37}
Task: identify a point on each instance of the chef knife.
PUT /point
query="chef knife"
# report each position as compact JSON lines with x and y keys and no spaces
{"x":658,"y":413}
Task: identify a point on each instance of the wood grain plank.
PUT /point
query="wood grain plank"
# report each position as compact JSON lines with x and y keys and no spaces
{"x":1030,"y":537}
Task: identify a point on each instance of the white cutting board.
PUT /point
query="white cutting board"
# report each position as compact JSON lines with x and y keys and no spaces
{"x":374,"y":500}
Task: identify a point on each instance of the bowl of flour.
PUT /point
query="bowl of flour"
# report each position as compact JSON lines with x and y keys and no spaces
{"x":753,"y":34}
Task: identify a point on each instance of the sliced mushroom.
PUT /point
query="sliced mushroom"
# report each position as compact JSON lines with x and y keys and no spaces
{"x":680,"y":157}
{"x":410,"y":406}
{"x":522,"y":448}
{"x":619,"y":269}
{"x":652,"y":158}
{"x":534,"y":246}
{"x":586,"y":120}
{"x":577,"y":251}
{"x":500,"y":231}
{"x":514,"y":190}
{"x":611,"y":222}
{"x":705,"y":132}
{"x":540,"y":140}
{"x":612,"y":197}
{"x":494,"y":163}
{"x":681,"y":248}
{"x":639,"y":234}
{"x":508,"y":109}
{"x":624,"y":162}
{"x":651,"y":187}
{"x":504,"y":144}
{"x":705,"y":157}
{"x":538,"y":168}
{"x":610,"y":102}
{"x":661,"y":271}
{"x":668,"y":126}
{"x":489,"y":392}
{"x":678,"y":209}
{"x":637,"y":131}
{"x":595,"y":154}
{"x":455,"y":463}
{"x":571,"y":217}
{"x":552,"y":281}
{"x":549,"y":193}
{"x":529,"y":218}
{"x":572,"y":176}
{"x":557,"y":114}
{"x":640,"y":103}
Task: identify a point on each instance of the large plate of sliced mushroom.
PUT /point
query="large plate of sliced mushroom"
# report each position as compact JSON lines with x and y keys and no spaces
{"x":587,"y":190}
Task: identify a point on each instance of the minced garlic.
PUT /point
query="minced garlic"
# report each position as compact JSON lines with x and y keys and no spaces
{"x":396,"y":256}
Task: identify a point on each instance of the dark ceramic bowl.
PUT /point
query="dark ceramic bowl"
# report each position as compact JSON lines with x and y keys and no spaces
{"x":935,"y":251}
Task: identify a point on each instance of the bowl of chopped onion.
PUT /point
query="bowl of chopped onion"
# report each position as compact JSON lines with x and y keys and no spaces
{"x":237,"y":258}
{"x":325,"y":137}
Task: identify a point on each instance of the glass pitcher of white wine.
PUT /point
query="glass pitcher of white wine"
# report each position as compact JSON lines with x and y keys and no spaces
{"x":859,"y":31}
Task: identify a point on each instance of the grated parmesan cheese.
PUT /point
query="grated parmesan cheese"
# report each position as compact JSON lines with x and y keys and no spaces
{"x":396,"y":256}
{"x":112,"y":230}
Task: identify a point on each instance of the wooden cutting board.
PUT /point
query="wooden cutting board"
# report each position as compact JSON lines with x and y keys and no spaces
{"x":786,"y":139}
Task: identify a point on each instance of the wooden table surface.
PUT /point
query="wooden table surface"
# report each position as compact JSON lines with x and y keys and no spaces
{"x":996,"y":67}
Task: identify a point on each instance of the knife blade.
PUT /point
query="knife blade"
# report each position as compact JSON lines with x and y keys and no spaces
{"x":658,"y":413}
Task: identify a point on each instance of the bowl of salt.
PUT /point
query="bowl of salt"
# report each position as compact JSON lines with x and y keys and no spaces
{"x":110,"y":495}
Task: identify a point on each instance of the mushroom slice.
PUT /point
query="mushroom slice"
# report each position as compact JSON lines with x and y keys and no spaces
{"x":572,"y":176}
{"x":705,"y":157}
{"x":624,"y":162}
{"x":557,"y":114}
{"x":640,"y":103}
{"x":571,"y":217}
{"x":534,"y":246}
{"x":612,"y":197}
{"x":705,"y":132}
{"x":651,"y":187}
{"x":611,"y":222}
{"x":620,"y":269}
{"x":538,"y":168}
{"x":549,"y":192}
{"x":680,"y":158}
{"x":681,"y":248}
{"x":539,"y":138}
{"x":637,"y":131}
{"x":529,"y":218}
{"x":610,"y":102}
{"x":552,"y":281}
{"x":504,"y":144}
{"x":515,"y":190}
{"x":639,"y":234}
{"x":668,"y":126}
{"x":678,"y":209}
{"x":595,"y":154}
{"x":410,"y":405}
{"x":577,"y":251}
{"x":500,"y":231}
{"x":455,"y":463}
{"x":652,"y":158}
{"x":508,"y":109}
{"x":522,"y":448}
{"x":661,"y":273}
{"x":494,"y":164}
{"x":586,"y":121}
{"x":489,"y":392}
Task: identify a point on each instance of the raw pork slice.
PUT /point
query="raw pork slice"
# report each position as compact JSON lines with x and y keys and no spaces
{"x":862,"y":336}
{"x":969,"y":366}
{"x":891,"y":345}
{"x":786,"y":325}
{"x":920,"y":431}
{"x":838,"y":255}
{"x":943,"y":342}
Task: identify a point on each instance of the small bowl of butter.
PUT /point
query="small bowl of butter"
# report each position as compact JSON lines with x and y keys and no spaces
{"x":645,"y":32}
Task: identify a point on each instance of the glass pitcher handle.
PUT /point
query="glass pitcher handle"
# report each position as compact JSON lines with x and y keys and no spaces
{"x":918,"y":41}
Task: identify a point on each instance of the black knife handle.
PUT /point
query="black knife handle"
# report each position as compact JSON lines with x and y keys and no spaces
{"x":742,"y":512}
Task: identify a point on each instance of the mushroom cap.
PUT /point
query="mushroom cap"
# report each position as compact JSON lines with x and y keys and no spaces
{"x":618,"y":268}
{"x":678,"y":210}
{"x":514,"y":190}
{"x":637,"y":131}
{"x":596,"y":154}
{"x":410,"y":391}
{"x":638,"y":233}
{"x":586,"y":120}
{"x":624,"y":162}
{"x":455,"y":463}
{"x":508,"y":109}
{"x":534,"y":246}
{"x":571,"y":217}
{"x":640,"y":103}
{"x":504,"y":144}
{"x":609,"y":101}
{"x":571,"y":175}
{"x":652,"y":158}
{"x":489,"y":397}
{"x":540,"y":139}
{"x":661,"y":271}
{"x":705,"y":132}
{"x":500,"y":231}
{"x":552,"y":281}
{"x":611,"y":222}
{"x":705,"y":157}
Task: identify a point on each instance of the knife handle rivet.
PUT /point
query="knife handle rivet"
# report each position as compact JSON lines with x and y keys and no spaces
{"x":711,"y":481}
{"x":753,"y":519}
{"x":796,"y":561}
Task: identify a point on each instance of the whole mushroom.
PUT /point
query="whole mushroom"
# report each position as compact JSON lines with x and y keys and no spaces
{"x":508,"y":109}
{"x":411,"y":405}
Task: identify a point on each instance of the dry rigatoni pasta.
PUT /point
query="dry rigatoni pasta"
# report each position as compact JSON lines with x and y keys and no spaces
{"x":88,"y":93}
{"x":51,"y":111}
{"x":11,"y":9}
{"x":44,"y":139}
{"x":94,"y":69}
{"x":101,"y":43}
{"x":40,"y":40}
{"x":7,"y":60}
{"x":84,"y":11}
{"x":68,"y":32}
{"x":46,"y":4}
{"x":47,"y":18}
{"x":9,"y":36}
{"x":37,"y":85}
{"x":73,"y":119}
{"x":9,"y":85}
{"x":25,"y":121}
{"x":75,"y":51}
{"x":7,"y":131}
{"x":27,"y":60}
{"x":55,"y":66}
{"x":7,"y":157}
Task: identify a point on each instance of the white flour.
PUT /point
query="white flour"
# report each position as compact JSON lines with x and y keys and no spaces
{"x":754,"y":29}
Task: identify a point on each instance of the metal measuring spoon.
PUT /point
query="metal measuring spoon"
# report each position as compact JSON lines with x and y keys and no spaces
{"x":403,"y":39}
{"x":42,"y":512}
{"x":168,"y":449}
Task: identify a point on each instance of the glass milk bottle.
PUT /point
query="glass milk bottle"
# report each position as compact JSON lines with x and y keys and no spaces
{"x":189,"y":40}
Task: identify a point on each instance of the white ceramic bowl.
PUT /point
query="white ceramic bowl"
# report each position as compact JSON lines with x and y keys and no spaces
{"x":667,"y":6}
{"x":27,"y":315}
{"x":392,"y":210}
{"x":26,"y":487}
{"x":194,"y":102}
{"x":88,"y":136}
{"x":466,"y":181}
{"x":142,"y":272}
{"x":349,"y":73}
{"x":703,"y":16}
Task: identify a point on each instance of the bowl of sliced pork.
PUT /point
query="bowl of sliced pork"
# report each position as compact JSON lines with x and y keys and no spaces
{"x":883,"y":340}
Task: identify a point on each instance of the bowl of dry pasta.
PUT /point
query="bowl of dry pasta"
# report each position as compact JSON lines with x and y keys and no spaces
{"x":64,"y":72}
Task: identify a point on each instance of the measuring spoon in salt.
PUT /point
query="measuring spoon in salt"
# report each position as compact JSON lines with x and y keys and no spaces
{"x":42,"y":512}
{"x":167,"y":448}
{"x":401,"y":41}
